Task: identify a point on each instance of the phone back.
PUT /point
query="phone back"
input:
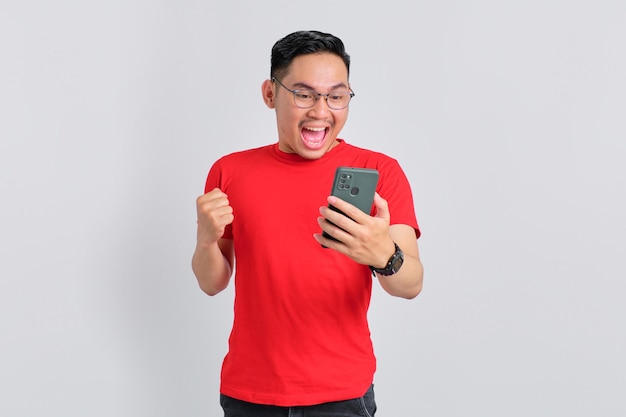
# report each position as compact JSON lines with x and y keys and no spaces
{"x":356,"y":186}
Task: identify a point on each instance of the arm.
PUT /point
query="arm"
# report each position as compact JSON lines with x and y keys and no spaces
{"x":213,"y":258}
{"x":407,"y":282}
{"x":369,"y":241}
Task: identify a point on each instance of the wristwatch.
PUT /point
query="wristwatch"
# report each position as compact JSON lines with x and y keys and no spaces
{"x":393,"y":264}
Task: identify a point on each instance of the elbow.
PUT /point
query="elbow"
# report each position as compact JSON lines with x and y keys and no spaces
{"x":406,"y":292}
{"x":210,"y":290}
{"x":415,"y":289}
{"x":413,"y":292}
{"x":208,"y":283}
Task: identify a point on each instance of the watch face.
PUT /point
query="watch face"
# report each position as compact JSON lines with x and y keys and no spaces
{"x":393,"y":265}
{"x":397,"y":263}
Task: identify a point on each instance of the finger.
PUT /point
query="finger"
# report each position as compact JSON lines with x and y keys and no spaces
{"x":325,"y":242}
{"x":337,"y":219}
{"x":222,"y":212}
{"x":330,"y":244}
{"x":334,"y":230}
{"x":348,"y":209}
{"x":212,"y":223}
{"x":216,"y":191}
{"x":214,"y":207}
{"x":213,"y":194}
{"x":382,"y":208}
{"x":212,"y":200}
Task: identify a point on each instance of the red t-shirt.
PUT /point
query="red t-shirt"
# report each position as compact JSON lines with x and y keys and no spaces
{"x":300,"y":334}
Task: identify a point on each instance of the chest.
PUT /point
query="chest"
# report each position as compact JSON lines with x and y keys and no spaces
{"x":280,"y":202}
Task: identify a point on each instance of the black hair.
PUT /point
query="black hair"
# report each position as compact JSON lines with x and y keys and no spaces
{"x":303,"y":43}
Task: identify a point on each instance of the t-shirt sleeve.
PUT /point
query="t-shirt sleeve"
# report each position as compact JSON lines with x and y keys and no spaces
{"x":395,"y":188}
{"x":215,"y":180}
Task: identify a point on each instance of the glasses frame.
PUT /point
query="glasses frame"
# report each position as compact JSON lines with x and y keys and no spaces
{"x":317,"y":96}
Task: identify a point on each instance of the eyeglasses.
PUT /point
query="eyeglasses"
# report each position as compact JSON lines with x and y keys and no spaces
{"x":305,"y":99}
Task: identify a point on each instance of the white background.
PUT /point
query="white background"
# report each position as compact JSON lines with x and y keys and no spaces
{"x":508,"y":118}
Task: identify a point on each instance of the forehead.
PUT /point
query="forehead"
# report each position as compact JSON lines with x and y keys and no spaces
{"x":317,"y":70}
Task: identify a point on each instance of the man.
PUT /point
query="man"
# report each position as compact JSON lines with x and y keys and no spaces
{"x":300,"y":338}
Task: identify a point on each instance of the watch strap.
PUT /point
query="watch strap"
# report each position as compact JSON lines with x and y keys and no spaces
{"x":393,"y":264}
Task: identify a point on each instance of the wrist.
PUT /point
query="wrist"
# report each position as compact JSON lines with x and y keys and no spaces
{"x":393,"y":264}
{"x":383,"y":259}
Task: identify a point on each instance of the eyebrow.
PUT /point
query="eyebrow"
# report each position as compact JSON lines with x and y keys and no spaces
{"x":308,"y":87}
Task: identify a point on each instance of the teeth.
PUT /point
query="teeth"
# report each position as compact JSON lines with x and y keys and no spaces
{"x":315,"y":129}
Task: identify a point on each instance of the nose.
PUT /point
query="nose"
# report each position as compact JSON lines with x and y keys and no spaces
{"x":320,"y":108}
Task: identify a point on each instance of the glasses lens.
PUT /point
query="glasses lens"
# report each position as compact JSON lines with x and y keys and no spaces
{"x":304,"y":98}
{"x":338,"y":100}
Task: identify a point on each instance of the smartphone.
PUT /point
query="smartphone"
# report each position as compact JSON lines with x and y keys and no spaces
{"x":356,"y":186}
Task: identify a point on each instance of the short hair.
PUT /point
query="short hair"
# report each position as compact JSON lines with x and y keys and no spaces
{"x":304,"y":42}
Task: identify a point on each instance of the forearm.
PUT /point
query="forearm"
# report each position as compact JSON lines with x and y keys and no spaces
{"x":211,"y":268}
{"x":407,"y":282}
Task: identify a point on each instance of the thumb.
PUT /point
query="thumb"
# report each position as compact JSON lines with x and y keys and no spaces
{"x":382,"y":208}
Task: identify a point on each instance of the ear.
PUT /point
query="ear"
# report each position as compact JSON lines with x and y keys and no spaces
{"x":267,"y":90}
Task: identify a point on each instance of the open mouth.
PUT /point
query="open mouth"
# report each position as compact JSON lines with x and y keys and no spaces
{"x":313,"y":137}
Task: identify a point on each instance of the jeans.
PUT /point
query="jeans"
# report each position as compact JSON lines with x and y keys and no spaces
{"x":364,"y":406}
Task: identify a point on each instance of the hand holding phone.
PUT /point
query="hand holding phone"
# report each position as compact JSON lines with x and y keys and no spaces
{"x":356,"y":186}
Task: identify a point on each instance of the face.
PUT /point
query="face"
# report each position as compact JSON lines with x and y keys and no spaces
{"x":310,"y":132}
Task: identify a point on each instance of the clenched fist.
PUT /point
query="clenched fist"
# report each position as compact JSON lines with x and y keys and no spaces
{"x":214,"y":214}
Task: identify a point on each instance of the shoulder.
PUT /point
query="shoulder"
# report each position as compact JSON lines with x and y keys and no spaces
{"x":247,"y":154}
{"x":372,"y":158}
{"x":237,"y":165}
{"x":234,"y":162}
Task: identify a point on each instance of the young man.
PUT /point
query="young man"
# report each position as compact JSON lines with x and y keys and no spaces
{"x":300,"y":337}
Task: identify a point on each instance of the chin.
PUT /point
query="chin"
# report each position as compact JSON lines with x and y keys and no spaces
{"x":309,"y":153}
{"x":312,"y":154}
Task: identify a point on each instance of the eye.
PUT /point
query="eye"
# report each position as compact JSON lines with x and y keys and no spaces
{"x":337,"y":96}
{"x":304,"y":95}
